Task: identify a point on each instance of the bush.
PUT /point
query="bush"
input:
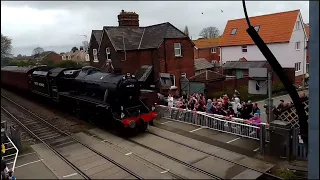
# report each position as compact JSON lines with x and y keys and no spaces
{"x":21,"y":63}
{"x":285,"y":173}
{"x":69,"y":64}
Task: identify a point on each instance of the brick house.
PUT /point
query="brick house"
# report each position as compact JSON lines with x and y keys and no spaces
{"x":47,"y":56}
{"x":283,"y":32}
{"x":207,"y":49}
{"x":77,"y":56}
{"x":161,"y":49}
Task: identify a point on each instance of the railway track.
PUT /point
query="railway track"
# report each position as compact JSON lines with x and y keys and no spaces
{"x":46,"y":133}
{"x":53,"y":133}
{"x":188,"y":165}
{"x":264,"y":174}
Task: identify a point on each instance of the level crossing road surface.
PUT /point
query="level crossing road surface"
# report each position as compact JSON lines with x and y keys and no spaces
{"x":224,"y":140}
{"x":276,"y":102}
{"x":31,"y":166}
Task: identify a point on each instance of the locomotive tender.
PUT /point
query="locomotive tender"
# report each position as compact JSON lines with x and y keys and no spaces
{"x":87,"y":92}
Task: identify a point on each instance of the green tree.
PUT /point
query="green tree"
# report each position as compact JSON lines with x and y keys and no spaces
{"x":6,"y":47}
{"x":74,"y":49}
{"x":186,"y":31}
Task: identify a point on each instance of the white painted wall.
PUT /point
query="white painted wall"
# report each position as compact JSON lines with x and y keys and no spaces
{"x":285,"y":53}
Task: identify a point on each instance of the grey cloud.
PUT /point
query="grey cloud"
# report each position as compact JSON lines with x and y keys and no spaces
{"x":87,"y":15}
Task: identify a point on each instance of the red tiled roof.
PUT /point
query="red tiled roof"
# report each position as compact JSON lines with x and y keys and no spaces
{"x":206,"y":43}
{"x":274,"y":28}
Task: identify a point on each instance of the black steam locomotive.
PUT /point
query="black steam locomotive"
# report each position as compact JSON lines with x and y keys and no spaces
{"x":94,"y":95}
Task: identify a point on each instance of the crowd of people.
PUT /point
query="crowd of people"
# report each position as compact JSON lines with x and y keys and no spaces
{"x":225,"y":106}
{"x":221,"y":106}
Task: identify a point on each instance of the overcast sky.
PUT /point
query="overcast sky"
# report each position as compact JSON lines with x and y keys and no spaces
{"x":58,"y":25}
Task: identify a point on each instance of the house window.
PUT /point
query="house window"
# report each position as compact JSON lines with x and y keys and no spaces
{"x":173,"y":80}
{"x":108,"y":53}
{"x":95,"y":55}
{"x":297,"y":25}
{"x":177,"y":49}
{"x":64,"y":57}
{"x":257,"y":28}
{"x":297,"y":45}
{"x":297,"y":66}
{"x":244,"y":48}
{"x":213,"y":50}
{"x":69,"y":57}
{"x":87,"y":57}
{"x":234,"y":31}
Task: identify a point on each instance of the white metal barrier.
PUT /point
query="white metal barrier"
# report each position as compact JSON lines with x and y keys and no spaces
{"x":9,"y":145}
{"x":216,"y":122}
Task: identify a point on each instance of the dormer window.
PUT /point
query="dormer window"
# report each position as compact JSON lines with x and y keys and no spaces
{"x":234,"y":31}
{"x":108,"y":53}
{"x":298,"y":25}
{"x":213,"y":50}
{"x":257,"y":28}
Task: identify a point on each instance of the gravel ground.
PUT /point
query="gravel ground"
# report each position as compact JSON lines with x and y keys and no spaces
{"x":24,"y":135}
{"x":60,"y":120}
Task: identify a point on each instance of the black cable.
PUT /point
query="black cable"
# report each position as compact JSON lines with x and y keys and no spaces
{"x":245,"y":12}
{"x":276,"y":67}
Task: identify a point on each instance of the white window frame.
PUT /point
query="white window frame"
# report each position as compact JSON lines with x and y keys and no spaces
{"x":177,"y":48}
{"x":297,"y":25}
{"x":87,"y":57}
{"x":108,"y":53}
{"x":213,"y":50}
{"x":174,"y":79}
{"x":95,"y":55}
{"x":69,"y":57}
{"x":244,"y":48}
{"x":64,"y":57}
{"x":297,"y":66}
{"x":297,"y":46}
{"x":234,"y":31}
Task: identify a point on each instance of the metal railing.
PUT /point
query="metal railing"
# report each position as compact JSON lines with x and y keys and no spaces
{"x":9,"y":146}
{"x":231,"y":125}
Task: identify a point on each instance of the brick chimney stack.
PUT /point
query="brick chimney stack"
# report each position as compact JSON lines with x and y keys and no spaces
{"x":128,"y":19}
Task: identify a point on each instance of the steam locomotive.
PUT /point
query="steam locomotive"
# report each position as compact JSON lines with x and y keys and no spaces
{"x":87,"y":92}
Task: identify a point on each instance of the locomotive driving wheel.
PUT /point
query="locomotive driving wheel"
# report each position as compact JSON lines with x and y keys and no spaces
{"x":143,"y":126}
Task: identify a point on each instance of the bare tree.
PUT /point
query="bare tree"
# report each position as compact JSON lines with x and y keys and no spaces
{"x":210,"y":32}
{"x":19,"y":56}
{"x":6,"y":46}
{"x":186,"y":31}
{"x":37,"y":51}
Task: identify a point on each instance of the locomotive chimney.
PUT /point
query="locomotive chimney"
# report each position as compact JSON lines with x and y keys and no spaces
{"x":128,"y":19}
